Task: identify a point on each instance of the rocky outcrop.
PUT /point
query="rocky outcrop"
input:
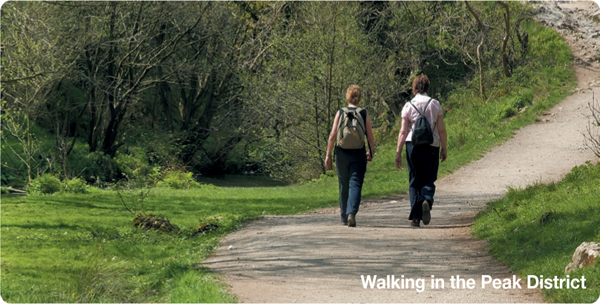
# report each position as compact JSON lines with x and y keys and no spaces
{"x":584,"y":256}
{"x":577,"y":23}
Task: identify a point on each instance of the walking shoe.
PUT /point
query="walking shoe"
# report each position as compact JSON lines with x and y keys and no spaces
{"x":344,"y":223}
{"x":426,"y":213}
{"x":351,"y":220}
{"x":415,"y":223}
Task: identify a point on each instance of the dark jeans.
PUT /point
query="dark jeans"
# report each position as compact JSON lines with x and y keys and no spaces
{"x":423,"y":163}
{"x":351,"y":167}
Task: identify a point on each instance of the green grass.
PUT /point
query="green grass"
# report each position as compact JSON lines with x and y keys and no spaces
{"x":83,"y":248}
{"x":49,"y":242}
{"x":530,"y":247}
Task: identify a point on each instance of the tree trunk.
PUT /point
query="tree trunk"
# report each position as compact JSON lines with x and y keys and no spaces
{"x":505,"y":39}
{"x":482,"y":35}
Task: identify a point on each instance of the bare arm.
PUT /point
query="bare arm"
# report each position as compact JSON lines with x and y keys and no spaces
{"x":401,"y":140}
{"x":370,"y":138}
{"x":331,"y":141}
{"x":443,"y":137}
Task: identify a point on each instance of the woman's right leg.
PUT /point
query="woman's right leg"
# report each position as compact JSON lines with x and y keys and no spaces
{"x":341,"y":163}
{"x":413,"y":182}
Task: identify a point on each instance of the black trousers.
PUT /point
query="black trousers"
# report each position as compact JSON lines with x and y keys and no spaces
{"x":423,"y":163}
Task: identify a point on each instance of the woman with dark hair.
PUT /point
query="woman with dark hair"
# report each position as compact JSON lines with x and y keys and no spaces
{"x":350,"y":126}
{"x":422,"y":159}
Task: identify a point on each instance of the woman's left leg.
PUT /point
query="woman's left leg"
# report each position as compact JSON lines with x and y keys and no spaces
{"x":357,"y":175}
{"x":429,"y":176}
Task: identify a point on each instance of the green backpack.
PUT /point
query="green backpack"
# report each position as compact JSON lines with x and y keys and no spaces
{"x":351,"y":129}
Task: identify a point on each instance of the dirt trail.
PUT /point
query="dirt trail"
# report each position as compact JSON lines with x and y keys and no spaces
{"x":312,"y":258}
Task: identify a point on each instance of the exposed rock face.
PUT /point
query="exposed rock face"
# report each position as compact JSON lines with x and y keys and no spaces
{"x":584,"y":256}
{"x":578,"y":24}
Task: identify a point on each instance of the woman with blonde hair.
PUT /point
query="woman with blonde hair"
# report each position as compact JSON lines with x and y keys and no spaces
{"x":350,"y":126}
{"x":422,"y":158}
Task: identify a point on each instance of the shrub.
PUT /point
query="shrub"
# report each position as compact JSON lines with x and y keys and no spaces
{"x":592,"y":135}
{"x":75,"y":185}
{"x":178,"y":180}
{"x":507,"y":111}
{"x":45,"y":184}
{"x":132,"y":164}
{"x":101,"y":167}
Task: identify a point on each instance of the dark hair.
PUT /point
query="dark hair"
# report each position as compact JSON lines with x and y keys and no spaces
{"x":420,"y":84}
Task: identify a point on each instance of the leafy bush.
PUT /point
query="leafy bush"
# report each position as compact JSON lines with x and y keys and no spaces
{"x":75,"y":185}
{"x":45,"y":184}
{"x":133,"y":163}
{"x":515,"y":104}
{"x":329,"y":175}
{"x":507,"y":111}
{"x":99,"y":167}
{"x":178,"y":180}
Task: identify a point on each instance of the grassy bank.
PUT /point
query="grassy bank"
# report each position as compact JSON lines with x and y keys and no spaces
{"x":83,"y":248}
{"x":533,"y":244}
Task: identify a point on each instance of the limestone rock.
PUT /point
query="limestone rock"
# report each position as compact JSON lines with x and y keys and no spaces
{"x":584,"y":256}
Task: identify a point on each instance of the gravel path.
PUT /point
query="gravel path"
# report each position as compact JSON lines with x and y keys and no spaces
{"x":312,"y":258}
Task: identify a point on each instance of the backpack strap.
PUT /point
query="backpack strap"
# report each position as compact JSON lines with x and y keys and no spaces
{"x":427,"y":105}
{"x":435,"y":124}
{"x":360,"y":120}
{"x":418,"y":109}
{"x":415,"y":107}
{"x":364,"y":125}
{"x":340,"y":123}
{"x":357,"y":115}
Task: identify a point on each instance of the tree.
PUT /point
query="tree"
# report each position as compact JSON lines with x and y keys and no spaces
{"x":505,"y":67}
{"x":482,"y":34}
{"x":316,"y":51}
{"x":127,"y":54}
{"x":34,"y":61}
{"x":222,"y":84}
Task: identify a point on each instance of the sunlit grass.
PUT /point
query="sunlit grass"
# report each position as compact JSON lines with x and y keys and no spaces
{"x":530,"y":245}
{"x":57,"y":243}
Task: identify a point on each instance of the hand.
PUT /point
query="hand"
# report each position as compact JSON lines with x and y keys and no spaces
{"x":328,"y":162}
{"x":369,"y":157}
{"x":399,"y":160}
{"x":443,"y":155}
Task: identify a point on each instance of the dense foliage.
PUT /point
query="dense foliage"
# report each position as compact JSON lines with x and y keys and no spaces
{"x":102,"y":89}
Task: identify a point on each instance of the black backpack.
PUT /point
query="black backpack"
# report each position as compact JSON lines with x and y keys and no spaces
{"x":422,"y":133}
